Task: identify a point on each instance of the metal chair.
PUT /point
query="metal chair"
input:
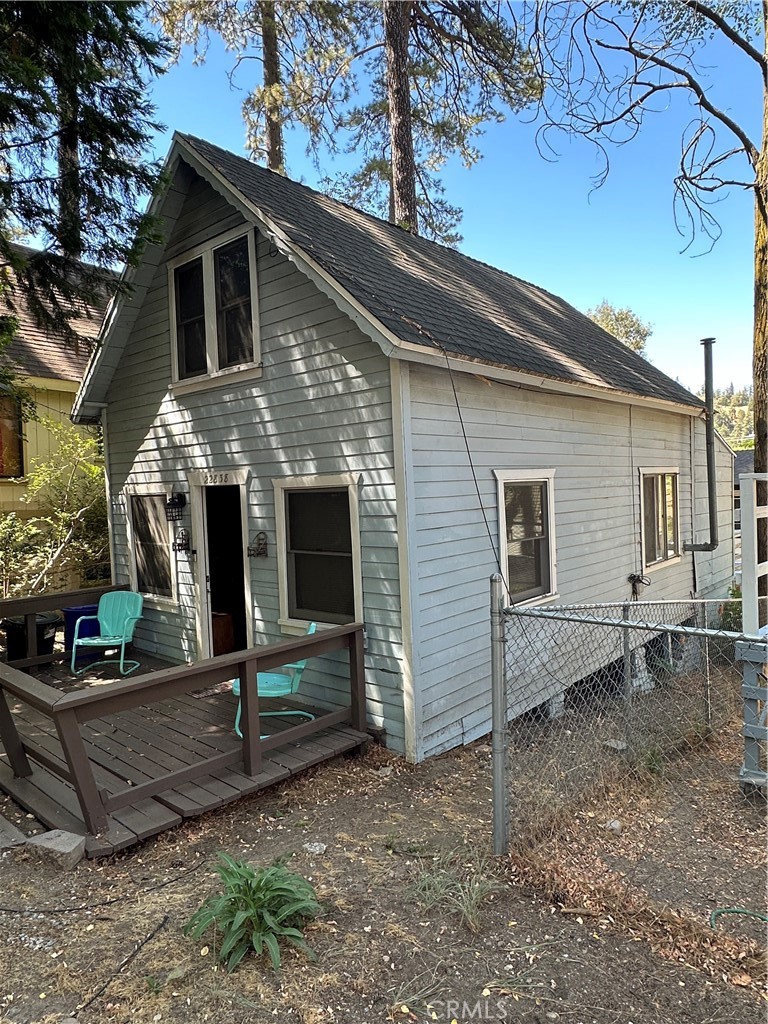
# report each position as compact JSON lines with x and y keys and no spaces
{"x":276,"y":684}
{"x":118,"y":613}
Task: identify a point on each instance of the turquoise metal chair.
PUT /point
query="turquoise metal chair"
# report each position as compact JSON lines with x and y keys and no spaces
{"x":276,"y":684}
{"x":118,"y":613}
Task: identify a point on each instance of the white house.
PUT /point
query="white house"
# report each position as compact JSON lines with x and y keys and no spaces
{"x":365,"y":425}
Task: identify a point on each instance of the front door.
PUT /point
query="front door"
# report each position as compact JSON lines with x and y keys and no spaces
{"x":225,"y":607}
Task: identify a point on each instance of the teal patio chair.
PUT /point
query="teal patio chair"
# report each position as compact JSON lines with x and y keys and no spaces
{"x":276,"y":684}
{"x":118,"y":613}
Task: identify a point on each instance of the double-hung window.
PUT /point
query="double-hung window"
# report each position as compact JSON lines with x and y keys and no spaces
{"x":214,"y":308}
{"x":11,"y":439}
{"x":318,"y":550}
{"x":150,"y":546}
{"x":527,"y":533}
{"x":660,"y":515}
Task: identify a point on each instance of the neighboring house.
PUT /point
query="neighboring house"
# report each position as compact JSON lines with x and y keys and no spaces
{"x":744,"y":463}
{"x":51,"y":370}
{"x":333,"y":399}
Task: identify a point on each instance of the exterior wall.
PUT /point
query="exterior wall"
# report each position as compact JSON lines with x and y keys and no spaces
{"x":54,"y":400}
{"x":715,"y":570}
{"x":596,"y":449}
{"x":322,"y":406}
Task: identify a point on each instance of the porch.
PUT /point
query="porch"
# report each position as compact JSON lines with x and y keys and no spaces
{"x":118,"y":761}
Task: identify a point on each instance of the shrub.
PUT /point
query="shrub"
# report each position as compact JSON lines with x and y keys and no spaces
{"x":257,"y":909}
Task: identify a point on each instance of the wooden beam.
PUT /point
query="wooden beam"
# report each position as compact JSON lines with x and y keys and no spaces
{"x":81,"y":771}
{"x":31,"y":691}
{"x":144,"y":790}
{"x":308,"y":728}
{"x":249,"y":717}
{"x":358,"y":719}
{"x":53,"y":602}
{"x":14,"y":748}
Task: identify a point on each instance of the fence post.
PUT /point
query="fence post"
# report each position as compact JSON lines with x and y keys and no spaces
{"x":626,"y":705}
{"x":499,"y":722}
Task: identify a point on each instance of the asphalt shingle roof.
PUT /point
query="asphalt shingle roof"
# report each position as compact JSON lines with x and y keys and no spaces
{"x":40,"y":353}
{"x":439,"y":298}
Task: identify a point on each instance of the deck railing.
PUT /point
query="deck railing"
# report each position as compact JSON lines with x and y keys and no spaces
{"x":30,"y":607}
{"x":69,"y":711}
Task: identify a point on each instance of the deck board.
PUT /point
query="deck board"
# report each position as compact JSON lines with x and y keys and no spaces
{"x":145,"y":743}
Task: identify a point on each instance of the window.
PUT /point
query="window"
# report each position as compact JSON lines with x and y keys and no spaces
{"x":11,"y":440}
{"x":319,"y":550}
{"x":214,"y":308}
{"x":150,"y":546}
{"x":661,"y":529}
{"x":526,"y":523}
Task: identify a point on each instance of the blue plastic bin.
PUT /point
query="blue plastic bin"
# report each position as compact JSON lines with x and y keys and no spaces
{"x":90,"y":628}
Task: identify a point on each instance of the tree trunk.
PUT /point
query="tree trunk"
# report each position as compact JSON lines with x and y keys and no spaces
{"x":273,"y":87}
{"x":760,"y":353}
{"x":70,"y":227}
{"x":396,"y":18}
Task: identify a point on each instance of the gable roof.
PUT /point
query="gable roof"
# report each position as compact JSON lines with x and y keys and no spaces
{"x":439,"y":298}
{"x":38,"y":352}
{"x":429,"y":301}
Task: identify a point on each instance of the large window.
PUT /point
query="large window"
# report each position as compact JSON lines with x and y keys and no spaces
{"x":319,"y":550}
{"x":150,"y":546}
{"x":214,"y":308}
{"x":527,"y":533}
{"x":11,"y":442}
{"x":661,"y":521}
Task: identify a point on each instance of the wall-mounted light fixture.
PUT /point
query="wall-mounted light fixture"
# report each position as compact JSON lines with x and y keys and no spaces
{"x":174,"y":507}
{"x":182,"y":542}
{"x":257,"y":548}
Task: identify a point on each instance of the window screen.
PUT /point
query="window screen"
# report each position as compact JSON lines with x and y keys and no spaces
{"x":151,"y":547}
{"x":528,"y":559}
{"x":319,"y":550}
{"x":11,"y":445}
{"x":190,"y":319}
{"x":234,"y":325}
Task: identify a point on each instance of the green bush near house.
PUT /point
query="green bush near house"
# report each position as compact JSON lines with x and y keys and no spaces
{"x":257,"y":910}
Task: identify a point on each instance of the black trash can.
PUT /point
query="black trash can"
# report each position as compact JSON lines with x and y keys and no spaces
{"x":16,"y":635}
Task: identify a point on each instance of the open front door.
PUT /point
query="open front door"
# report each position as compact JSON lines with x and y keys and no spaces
{"x":223,"y":584}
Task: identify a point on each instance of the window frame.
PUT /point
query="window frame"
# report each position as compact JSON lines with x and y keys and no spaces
{"x":206,"y":252}
{"x":15,"y":477}
{"x":660,"y":471}
{"x":159,"y":600}
{"x":528,"y":476}
{"x":336,"y":482}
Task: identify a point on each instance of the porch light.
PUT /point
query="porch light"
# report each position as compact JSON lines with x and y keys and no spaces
{"x":257,"y":548}
{"x":182,"y":543}
{"x":174,"y":507}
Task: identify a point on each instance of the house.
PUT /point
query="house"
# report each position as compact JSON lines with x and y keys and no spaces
{"x":51,"y":370}
{"x":348,"y":423}
{"x":743,"y":463}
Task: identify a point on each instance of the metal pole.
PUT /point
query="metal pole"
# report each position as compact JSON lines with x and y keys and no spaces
{"x":627,"y":688}
{"x":499,"y":722}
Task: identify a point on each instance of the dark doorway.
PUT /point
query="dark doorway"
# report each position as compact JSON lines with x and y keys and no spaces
{"x":226,"y":582}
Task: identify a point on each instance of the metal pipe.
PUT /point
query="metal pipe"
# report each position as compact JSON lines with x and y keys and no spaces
{"x":498,"y":722}
{"x":709,"y":402}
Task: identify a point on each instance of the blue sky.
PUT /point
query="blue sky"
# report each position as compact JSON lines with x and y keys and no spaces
{"x":544,"y":222}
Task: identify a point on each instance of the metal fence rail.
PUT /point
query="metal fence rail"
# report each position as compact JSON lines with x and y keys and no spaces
{"x":593,"y":694}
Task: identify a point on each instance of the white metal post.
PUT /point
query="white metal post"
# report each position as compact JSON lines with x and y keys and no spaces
{"x":751,"y":571}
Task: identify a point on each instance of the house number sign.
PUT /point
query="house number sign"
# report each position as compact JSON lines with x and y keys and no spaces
{"x":215,"y":478}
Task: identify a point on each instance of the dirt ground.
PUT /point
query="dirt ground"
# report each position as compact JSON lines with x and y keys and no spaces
{"x":561,"y":935}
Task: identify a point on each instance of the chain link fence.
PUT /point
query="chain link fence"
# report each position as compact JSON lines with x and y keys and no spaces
{"x":598,"y":694}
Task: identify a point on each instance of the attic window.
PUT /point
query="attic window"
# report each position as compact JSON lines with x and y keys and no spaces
{"x":214,"y":309}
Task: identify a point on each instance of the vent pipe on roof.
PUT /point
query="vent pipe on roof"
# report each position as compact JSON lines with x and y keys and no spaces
{"x":709,"y":402}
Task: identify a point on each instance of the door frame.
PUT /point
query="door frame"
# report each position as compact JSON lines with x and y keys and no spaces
{"x":198,"y":481}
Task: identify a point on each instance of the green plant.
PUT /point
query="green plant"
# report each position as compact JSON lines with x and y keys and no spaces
{"x":256,"y":910}
{"x":460,"y":888}
{"x":730,"y":611}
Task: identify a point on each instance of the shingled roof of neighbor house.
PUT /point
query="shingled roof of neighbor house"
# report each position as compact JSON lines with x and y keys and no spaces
{"x":38,"y":352}
{"x":433,"y":296}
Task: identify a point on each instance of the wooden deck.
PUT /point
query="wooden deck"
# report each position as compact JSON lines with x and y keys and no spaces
{"x":119,"y":761}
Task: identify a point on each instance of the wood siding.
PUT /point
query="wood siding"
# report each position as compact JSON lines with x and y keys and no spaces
{"x":322,"y":406}
{"x":597,"y":450}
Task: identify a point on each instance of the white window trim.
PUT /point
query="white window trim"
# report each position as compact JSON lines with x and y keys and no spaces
{"x":505,"y":476}
{"x":251,"y":370}
{"x":351,"y":482}
{"x":153,"y":600}
{"x":662,"y":563}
